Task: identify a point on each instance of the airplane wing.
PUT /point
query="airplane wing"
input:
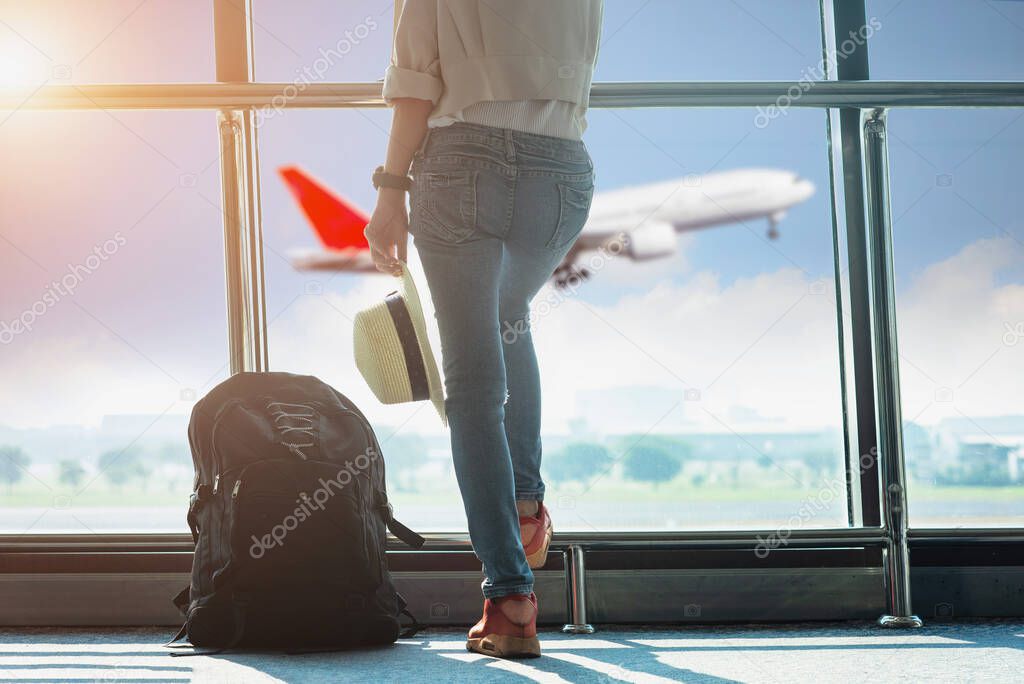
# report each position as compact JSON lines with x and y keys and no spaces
{"x":348,"y":260}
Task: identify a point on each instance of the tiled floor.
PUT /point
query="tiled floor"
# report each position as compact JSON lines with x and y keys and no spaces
{"x":951,"y":652}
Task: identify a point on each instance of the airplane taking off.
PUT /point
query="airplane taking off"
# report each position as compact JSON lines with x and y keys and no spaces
{"x":338,"y":223}
{"x":644,"y":219}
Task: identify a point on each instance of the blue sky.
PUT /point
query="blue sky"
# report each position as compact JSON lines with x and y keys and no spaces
{"x":714,"y":40}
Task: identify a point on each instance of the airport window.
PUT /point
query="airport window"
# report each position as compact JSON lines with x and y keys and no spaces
{"x":959,"y":255}
{"x":338,"y":42}
{"x":112,"y":319}
{"x":730,"y":370}
{"x":949,"y":40}
{"x":709,"y":40}
{"x":107,"y":41}
{"x":734,"y":402}
{"x":703,"y":40}
{"x":699,"y":390}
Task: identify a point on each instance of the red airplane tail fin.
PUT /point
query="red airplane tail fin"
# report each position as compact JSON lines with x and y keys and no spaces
{"x":338,"y":223}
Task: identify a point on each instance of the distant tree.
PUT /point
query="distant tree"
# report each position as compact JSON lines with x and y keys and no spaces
{"x":404,"y":454}
{"x":71,"y":473}
{"x":120,"y":466}
{"x":650,"y":464}
{"x":979,"y":473}
{"x":176,"y":453}
{"x":577,"y":462}
{"x":818,"y":463}
{"x":13,"y":464}
{"x":679,"y":448}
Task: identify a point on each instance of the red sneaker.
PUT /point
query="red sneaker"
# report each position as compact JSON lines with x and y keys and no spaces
{"x":496,"y":635}
{"x":537,"y":548}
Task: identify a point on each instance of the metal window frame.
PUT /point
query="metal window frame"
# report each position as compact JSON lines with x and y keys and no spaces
{"x":240,"y":193}
{"x":861,"y":105}
{"x":853,"y":94}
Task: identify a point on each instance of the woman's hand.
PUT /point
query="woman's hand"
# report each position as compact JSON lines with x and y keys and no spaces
{"x":388,"y":231}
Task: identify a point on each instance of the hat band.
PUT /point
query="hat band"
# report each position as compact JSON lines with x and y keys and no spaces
{"x":410,"y":346}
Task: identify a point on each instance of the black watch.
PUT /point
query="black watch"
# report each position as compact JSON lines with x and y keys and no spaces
{"x":382,"y":179}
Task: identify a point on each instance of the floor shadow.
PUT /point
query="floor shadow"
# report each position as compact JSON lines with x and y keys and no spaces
{"x":660,"y":654}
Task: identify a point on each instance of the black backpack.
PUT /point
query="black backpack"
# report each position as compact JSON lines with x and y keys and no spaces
{"x":289,"y":516}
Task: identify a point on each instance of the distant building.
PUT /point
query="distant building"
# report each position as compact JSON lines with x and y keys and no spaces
{"x":984,"y":450}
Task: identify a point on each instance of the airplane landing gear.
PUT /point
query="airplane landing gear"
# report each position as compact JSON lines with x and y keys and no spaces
{"x":570,"y":276}
{"x":773,"y":228}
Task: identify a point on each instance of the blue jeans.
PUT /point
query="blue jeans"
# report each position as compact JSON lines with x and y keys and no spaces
{"x":494,"y":212}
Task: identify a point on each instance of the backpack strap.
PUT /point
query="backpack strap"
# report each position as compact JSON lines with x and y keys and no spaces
{"x":410,"y":630}
{"x":403,"y":609}
{"x":238,"y":606}
{"x":182,"y":599}
{"x":398,"y":529}
{"x":405,"y":534}
{"x":177,"y":637}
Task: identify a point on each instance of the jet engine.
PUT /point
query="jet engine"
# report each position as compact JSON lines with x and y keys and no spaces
{"x":650,"y":241}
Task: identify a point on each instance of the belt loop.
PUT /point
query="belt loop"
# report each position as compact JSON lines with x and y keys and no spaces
{"x":510,"y":149}
{"x":423,"y":145}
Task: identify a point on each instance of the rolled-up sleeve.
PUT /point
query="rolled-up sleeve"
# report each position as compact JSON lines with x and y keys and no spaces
{"x":415,"y":69}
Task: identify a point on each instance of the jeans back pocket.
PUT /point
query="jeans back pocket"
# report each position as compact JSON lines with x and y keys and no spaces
{"x":573,"y":211}
{"x":444,"y":204}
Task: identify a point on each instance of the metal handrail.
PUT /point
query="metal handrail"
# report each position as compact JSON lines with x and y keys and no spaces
{"x":818,"y":94}
{"x":843,"y":537}
{"x":893,"y":472}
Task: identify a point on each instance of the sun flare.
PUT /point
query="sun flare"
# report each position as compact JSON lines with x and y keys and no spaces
{"x":14,"y":72}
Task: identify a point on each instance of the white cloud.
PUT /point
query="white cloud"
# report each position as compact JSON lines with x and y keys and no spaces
{"x":735,"y":344}
{"x":761,"y":351}
{"x":760,"y":348}
{"x":78,"y":379}
{"x":952,"y":320}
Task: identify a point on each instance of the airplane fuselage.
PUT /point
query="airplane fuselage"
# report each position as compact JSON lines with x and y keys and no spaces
{"x":696,"y":202}
{"x":646,"y":218}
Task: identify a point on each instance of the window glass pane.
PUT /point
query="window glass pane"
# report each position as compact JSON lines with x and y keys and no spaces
{"x":696,"y":390}
{"x":959,"y":253}
{"x":321,"y":40}
{"x":709,"y":40}
{"x":112,"y":319}
{"x":67,"y":41}
{"x":656,"y":40}
{"x":947,"y":40}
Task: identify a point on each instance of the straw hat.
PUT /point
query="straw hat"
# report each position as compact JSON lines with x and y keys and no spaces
{"x":392,"y":351}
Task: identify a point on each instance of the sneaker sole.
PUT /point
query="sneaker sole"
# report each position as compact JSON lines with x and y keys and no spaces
{"x":538,"y":558}
{"x":501,"y":646}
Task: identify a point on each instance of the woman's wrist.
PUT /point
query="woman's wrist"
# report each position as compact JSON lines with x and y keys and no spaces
{"x":390,"y":196}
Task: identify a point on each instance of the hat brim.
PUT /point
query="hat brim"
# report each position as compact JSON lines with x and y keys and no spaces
{"x":412,"y":302}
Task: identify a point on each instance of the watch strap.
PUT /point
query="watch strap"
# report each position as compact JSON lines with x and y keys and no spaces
{"x":382,"y":179}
